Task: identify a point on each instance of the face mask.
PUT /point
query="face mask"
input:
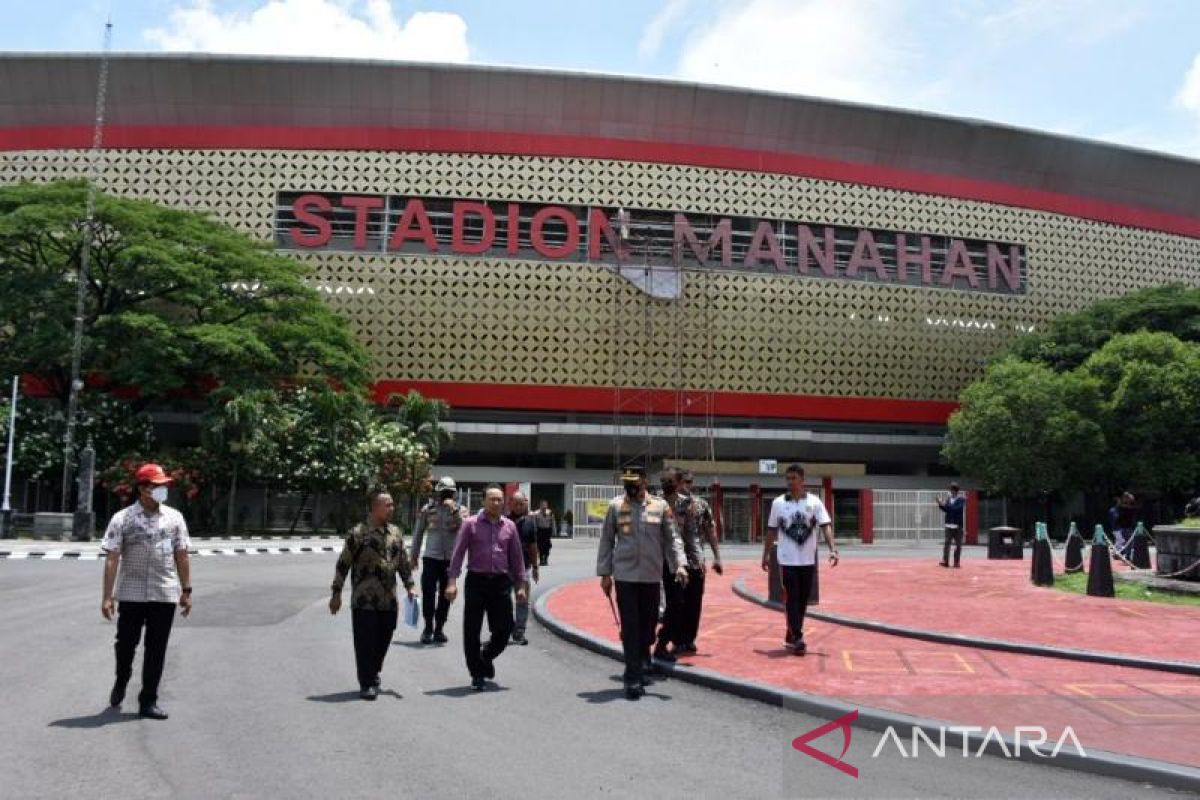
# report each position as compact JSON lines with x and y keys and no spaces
{"x":159,"y":493}
{"x":632,"y":489}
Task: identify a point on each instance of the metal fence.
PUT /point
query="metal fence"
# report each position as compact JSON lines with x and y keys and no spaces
{"x":908,"y":515}
{"x":589,"y":504}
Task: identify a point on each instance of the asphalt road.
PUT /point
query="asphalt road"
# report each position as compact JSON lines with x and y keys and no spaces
{"x":261,"y":690}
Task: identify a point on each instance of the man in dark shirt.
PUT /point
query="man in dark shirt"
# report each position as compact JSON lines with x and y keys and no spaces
{"x":518,"y":505}
{"x":953,"y":507}
{"x":373,"y":555}
{"x":490,"y":544}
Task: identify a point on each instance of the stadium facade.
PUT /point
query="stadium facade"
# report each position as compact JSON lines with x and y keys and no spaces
{"x":594,"y":269}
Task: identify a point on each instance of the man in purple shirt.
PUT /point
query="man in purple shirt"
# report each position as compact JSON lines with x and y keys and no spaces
{"x":492,"y":547}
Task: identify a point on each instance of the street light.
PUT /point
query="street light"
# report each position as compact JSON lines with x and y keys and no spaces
{"x":6,"y":506}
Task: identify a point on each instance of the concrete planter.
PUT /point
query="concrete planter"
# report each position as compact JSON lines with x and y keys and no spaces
{"x":1178,"y":548}
{"x":54,"y":526}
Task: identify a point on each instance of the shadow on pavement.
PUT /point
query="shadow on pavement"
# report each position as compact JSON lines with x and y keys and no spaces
{"x":336,"y":697}
{"x":108,"y":716}
{"x":465,"y":691}
{"x":612,"y":695}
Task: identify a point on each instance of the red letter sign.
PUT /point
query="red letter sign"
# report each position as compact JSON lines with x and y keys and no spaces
{"x":458,"y":241}
{"x":362,"y":207}
{"x":536,"y":235}
{"x":414,"y":210}
{"x":310,"y":210}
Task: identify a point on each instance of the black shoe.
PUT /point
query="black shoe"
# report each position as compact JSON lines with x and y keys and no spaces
{"x":427,"y":636}
{"x":689,"y":648}
{"x":369,"y":693}
{"x":519,"y":638}
{"x":800,"y":648}
{"x":943,"y":564}
{"x":650,"y":668}
{"x":151,"y":712}
{"x":958,"y":566}
{"x":477,"y":684}
{"x":646,"y":680}
{"x":378,"y":682}
{"x":117,"y":695}
{"x":664,"y":655}
{"x":633,"y":691}
{"x":489,"y":666}
{"x":439,"y":637}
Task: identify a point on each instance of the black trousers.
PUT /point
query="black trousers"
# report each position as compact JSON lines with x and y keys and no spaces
{"x":637,"y":606}
{"x":955,"y":535}
{"x":157,"y":619}
{"x":674,"y":615}
{"x":372,"y":637}
{"x":545,"y":542}
{"x":489,"y":595}
{"x":434,"y":605}
{"x":797,"y":585}
{"x":693,"y":601}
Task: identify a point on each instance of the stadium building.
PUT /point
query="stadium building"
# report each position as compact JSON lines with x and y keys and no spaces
{"x":595,"y":269}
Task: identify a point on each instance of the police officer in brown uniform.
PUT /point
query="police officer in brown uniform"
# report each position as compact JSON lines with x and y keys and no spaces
{"x":687,"y":526}
{"x":373,"y":555}
{"x":637,"y":538}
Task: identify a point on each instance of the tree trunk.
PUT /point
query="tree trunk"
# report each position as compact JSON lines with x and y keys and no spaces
{"x":230,"y":511}
{"x":299,"y":511}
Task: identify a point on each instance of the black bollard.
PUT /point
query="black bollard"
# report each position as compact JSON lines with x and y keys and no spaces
{"x":1042,"y":571}
{"x":1074,"y":556}
{"x":1100,"y":577}
{"x":1041,"y":568}
{"x":1139,"y":548}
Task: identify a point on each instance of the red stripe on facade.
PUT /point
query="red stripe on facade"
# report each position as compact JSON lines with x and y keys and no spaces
{"x":563,"y":145}
{"x":601,"y":400}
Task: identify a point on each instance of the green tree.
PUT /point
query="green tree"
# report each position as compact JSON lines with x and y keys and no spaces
{"x":422,"y":417}
{"x":235,"y":432}
{"x":175,"y":300}
{"x":1070,"y":339}
{"x":1026,"y":431}
{"x":1150,"y":410}
{"x":112,"y":426}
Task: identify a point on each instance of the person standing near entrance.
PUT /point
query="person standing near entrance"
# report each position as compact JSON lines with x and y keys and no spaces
{"x":687,"y":525}
{"x":795,"y":516}
{"x":373,"y":555}
{"x":545,"y":532}
{"x":518,"y":506}
{"x":491,"y":546}
{"x":953,"y":506}
{"x":693,"y":596}
{"x":437,"y":527}
{"x":146,"y":557}
{"x":637,"y":538}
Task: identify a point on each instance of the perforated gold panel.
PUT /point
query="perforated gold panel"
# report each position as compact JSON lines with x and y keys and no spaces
{"x":453,"y":319}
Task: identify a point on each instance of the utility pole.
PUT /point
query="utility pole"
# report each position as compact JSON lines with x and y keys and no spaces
{"x":82,"y":278}
{"x":6,"y":506}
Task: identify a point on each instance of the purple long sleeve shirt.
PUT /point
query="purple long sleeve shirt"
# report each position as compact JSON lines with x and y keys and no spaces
{"x":490,"y":547}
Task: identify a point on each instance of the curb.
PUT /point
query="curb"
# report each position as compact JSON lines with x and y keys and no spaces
{"x":983,"y":643}
{"x":1096,"y":762}
{"x":79,"y":555}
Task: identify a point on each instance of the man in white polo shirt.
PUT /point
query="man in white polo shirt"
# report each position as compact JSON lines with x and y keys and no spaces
{"x":795,"y":516}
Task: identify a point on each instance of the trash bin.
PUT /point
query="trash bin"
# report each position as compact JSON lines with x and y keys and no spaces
{"x":1004,"y":542}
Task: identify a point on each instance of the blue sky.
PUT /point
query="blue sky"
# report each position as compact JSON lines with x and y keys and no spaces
{"x":1120,"y":71}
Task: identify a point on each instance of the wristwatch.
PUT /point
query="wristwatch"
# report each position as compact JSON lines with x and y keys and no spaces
{"x":187,"y":590}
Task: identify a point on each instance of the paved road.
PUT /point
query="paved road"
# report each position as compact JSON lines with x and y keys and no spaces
{"x":260,"y":686}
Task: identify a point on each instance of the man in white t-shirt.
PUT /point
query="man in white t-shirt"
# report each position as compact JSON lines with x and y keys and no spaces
{"x":795,"y":517}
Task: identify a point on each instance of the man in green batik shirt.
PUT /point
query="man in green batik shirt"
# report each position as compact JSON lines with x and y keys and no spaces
{"x":373,"y":555}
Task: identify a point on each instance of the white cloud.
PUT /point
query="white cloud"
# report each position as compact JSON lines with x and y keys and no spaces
{"x":652,"y":37}
{"x":1188,"y":96}
{"x":844,"y":49}
{"x":337,"y":28}
{"x":1077,"y":22}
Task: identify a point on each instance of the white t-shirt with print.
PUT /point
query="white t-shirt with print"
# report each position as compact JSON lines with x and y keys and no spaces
{"x":797,"y":513}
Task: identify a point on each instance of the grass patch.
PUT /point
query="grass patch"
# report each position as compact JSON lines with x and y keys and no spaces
{"x":1077,"y":582}
{"x":1190,"y":522}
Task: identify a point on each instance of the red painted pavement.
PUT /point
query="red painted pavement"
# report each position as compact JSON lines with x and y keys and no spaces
{"x":1145,"y":713}
{"x":995,"y":600}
